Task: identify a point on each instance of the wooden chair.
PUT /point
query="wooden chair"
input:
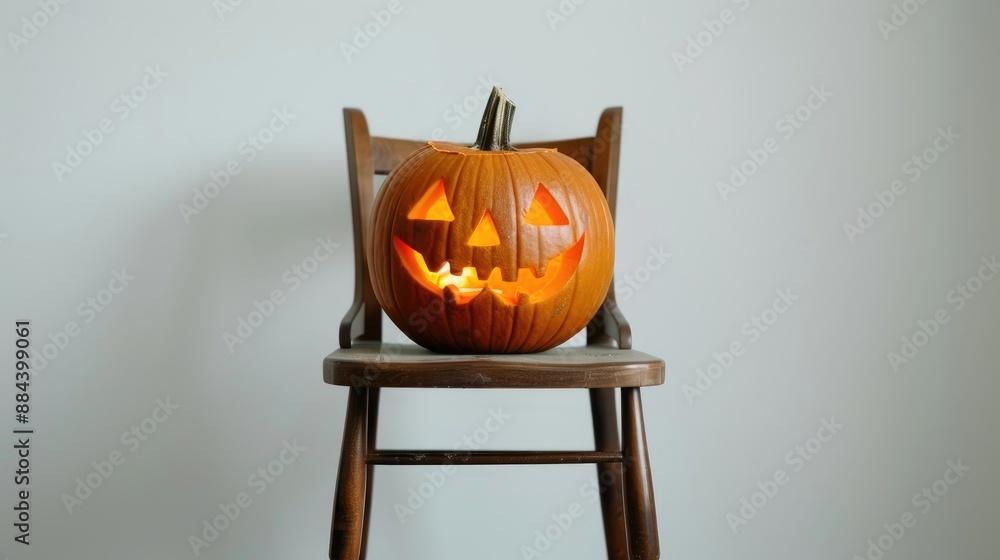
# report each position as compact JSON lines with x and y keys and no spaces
{"x":367,"y":365}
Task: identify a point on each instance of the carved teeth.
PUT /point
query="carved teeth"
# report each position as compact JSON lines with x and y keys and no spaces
{"x":483,"y":273}
{"x":509,"y":274}
{"x":459,"y":285}
{"x":441,"y":269}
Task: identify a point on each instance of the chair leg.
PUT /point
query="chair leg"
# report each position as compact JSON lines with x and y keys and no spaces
{"x":373,"y":394}
{"x":349,"y":502}
{"x":602,"y":407}
{"x":640,"y":508}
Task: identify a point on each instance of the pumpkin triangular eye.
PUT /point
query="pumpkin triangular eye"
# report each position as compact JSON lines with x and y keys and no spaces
{"x":544,"y":210}
{"x":433,"y":205}
{"x":485,"y":234}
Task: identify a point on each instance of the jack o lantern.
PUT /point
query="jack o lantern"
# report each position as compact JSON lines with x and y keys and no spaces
{"x":490,"y":249}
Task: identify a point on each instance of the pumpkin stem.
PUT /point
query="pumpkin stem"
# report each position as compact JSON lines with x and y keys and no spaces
{"x":494,"y":130}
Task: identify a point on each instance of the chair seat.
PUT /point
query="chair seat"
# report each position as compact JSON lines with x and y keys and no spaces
{"x":373,"y":364}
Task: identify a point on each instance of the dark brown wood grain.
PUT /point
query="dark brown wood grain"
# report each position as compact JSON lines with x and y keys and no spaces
{"x":372,"y":431}
{"x":460,"y":457}
{"x":390,"y":152}
{"x":348,"y":510}
{"x":372,"y":364}
{"x":364,"y":319}
{"x":602,"y":407}
{"x":579,"y":149}
{"x":640,"y":509}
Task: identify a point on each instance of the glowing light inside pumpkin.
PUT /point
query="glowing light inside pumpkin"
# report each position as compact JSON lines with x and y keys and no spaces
{"x":485,"y":234}
{"x":467,"y":285}
{"x":433,"y":205}
{"x":544,"y":210}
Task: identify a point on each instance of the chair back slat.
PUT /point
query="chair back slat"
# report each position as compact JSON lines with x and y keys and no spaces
{"x":387,"y":153}
{"x":390,"y":152}
{"x":368,"y":156}
{"x":361,"y":175}
{"x":576,"y":148}
{"x":609,"y":322}
{"x":605,"y":151}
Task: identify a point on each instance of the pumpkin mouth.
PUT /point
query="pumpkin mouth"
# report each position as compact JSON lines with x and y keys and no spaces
{"x":463,"y":288}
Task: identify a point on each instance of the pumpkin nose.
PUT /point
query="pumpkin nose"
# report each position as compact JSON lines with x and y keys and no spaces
{"x":485,"y":234}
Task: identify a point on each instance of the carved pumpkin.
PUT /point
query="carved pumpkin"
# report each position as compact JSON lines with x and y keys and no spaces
{"x":490,"y":249}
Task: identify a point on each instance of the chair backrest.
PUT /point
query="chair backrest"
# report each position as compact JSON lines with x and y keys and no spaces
{"x":368,"y":156}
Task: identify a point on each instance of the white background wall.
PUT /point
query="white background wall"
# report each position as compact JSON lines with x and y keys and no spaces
{"x":62,"y":235}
